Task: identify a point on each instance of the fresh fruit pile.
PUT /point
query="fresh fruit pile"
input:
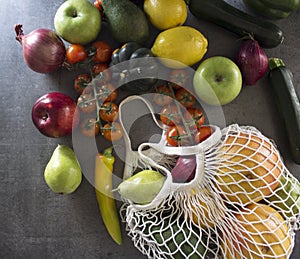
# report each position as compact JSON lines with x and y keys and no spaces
{"x":250,"y":174}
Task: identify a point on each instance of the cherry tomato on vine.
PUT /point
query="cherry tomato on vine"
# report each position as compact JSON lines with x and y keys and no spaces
{"x":112,"y":131}
{"x":107,"y":93}
{"x":89,"y":127}
{"x":178,"y":78}
{"x":81,"y":82}
{"x":170,"y":115}
{"x":177,"y":136}
{"x":104,"y":69}
{"x":185,"y":97}
{"x":109,"y":111}
{"x":203,"y":133}
{"x":76,"y":53}
{"x":162,"y":95}
{"x":102,"y":51}
{"x":194,"y":115}
{"x":86,"y":103}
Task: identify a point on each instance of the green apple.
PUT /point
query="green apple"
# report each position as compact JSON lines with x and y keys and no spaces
{"x":63,"y":173}
{"x":78,"y":21}
{"x":217,"y":80}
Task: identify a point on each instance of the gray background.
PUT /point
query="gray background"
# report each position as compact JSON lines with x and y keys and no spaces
{"x":36,"y":223}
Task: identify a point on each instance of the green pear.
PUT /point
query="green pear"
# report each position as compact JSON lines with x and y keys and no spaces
{"x":63,"y":173}
{"x":142,"y":187}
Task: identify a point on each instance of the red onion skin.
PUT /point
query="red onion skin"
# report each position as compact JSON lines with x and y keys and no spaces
{"x":252,"y":61}
{"x":184,"y":169}
{"x":43,"y":50}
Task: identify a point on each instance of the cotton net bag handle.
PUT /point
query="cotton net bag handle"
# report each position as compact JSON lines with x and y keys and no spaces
{"x":133,"y":158}
{"x":157,"y":155}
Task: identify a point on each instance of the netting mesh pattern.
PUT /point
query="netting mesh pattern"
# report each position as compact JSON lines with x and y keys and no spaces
{"x":242,"y":203}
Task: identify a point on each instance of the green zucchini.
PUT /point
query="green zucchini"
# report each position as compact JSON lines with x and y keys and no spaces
{"x":223,"y":14}
{"x":287,"y":102}
{"x":264,"y":10}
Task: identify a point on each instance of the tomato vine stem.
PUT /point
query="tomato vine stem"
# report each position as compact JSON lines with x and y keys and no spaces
{"x":186,"y":125}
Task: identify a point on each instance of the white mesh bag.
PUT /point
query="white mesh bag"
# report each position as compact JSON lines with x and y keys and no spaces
{"x":241,"y":203}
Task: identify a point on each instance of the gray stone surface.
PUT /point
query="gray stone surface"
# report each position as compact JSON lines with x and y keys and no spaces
{"x":36,"y":223}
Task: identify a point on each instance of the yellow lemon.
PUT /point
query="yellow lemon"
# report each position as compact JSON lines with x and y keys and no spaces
{"x":165,"y":14}
{"x":180,"y":46}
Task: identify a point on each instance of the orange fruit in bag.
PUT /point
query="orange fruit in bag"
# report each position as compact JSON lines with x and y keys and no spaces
{"x":206,"y":210}
{"x":259,"y":231}
{"x":249,"y":169}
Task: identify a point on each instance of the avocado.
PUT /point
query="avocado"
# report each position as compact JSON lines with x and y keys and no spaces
{"x":127,"y":22}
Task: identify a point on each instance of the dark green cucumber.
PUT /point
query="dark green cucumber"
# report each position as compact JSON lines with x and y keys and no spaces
{"x":223,"y":14}
{"x":284,"y":5}
{"x":287,"y":102}
{"x":262,"y":9}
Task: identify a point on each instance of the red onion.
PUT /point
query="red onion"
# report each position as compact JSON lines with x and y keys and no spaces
{"x":43,"y":50}
{"x":184,"y":169}
{"x":252,"y":61}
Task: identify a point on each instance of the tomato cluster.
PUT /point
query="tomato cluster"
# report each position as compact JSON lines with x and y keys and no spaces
{"x":98,"y":52}
{"x":185,"y":120}
{"x":179,"y":108}
{"x":100,"y":98}
{"x":96,"y":94}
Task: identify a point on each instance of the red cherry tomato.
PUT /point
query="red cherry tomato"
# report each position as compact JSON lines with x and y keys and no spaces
{"x":112,"y":131}
{"x":185,"y":97}
{"x":106,"y":93}
{"x":86,"y":103}
{"x":104,"y":69}
{"x":178,"y":78}
{"x":81,"y":82}
{"x":203,"y":133}
{"x":162,"y":95}
{"x":170,"y":115}
{"x":76,"y":53}
{"x":194,"y":115}
{"x":90,"y":127}
{"x":176,"y":136}
{"x":102,"y":51}
{"x":109,"y":112}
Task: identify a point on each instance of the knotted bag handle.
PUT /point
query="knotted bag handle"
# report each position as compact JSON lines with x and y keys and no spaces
{"x":161,"y":146}
{"x":131,"y":156}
